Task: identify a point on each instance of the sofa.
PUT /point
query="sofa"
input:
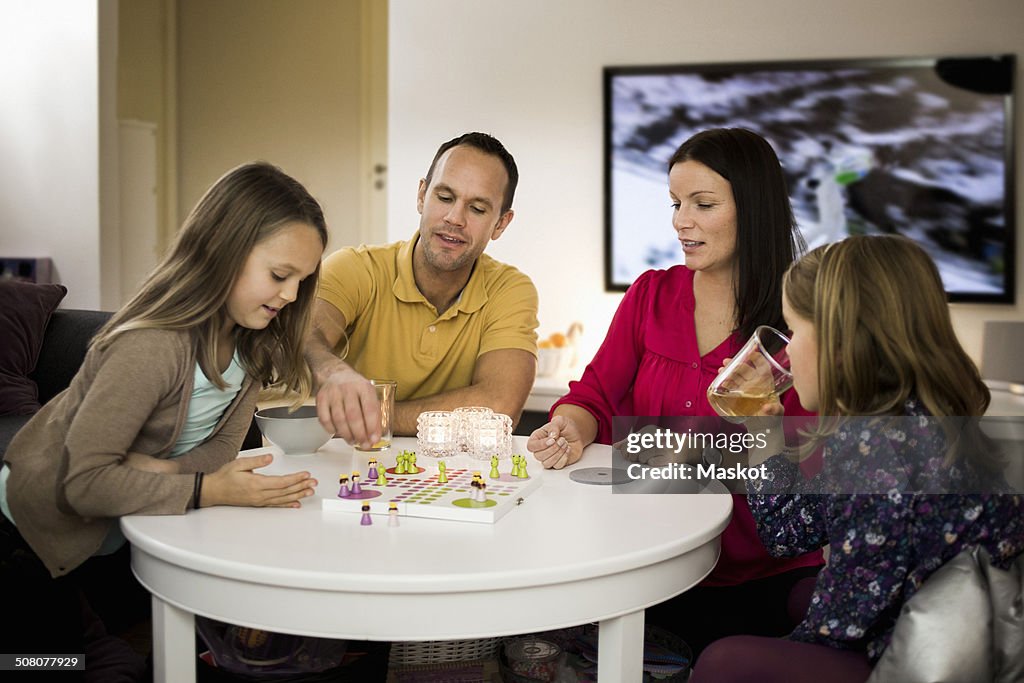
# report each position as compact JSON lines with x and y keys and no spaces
{"x":64,"y":344}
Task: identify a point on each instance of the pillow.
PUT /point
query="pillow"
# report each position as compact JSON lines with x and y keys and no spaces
{"x":965,"y":624}
{"x":24,"y":312}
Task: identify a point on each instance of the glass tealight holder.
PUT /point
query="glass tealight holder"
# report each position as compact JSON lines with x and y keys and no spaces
{"x":435,"y":434}
{"x":464,"y":418}
{"x":491,"y":435}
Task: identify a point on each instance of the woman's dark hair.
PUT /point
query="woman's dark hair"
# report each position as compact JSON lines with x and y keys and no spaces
{"x":767,"y":239}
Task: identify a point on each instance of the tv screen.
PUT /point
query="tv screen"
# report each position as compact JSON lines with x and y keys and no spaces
{"x":919,"y":147}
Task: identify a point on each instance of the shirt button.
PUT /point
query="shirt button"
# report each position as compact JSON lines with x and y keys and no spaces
{"x":689,"y":404}
{"x":695,"y":366}
{"x":432,"y":328}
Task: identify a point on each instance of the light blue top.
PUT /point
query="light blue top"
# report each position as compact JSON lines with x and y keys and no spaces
{"x":205,"y":408}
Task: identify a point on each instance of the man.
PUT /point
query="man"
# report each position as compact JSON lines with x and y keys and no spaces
{"x":453,"y":326}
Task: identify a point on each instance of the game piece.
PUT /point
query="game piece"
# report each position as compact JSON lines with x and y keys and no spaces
{"x":442,"y":474}
{"x":371,"y":472}
{"x":356,"y":488}
{"x":343,"y":492}
{"x":392,"y":514}
{"x":483,"y":492}
{"x":382,"y":479}
{"x":495,"y":474}
{"x":366,"y":519}
{"x":412,"y":463}
{"x":522,"y":468}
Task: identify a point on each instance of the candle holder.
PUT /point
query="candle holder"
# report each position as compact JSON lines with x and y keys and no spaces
{"x":435,"y":434}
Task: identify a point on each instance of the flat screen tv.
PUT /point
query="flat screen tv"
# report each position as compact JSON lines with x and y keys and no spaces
{"x":921,"y":147}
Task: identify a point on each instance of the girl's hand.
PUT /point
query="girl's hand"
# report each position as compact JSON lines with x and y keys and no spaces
{"x":556,"y":444}
{"x":235,"y":483}
{"x":147,"y":463}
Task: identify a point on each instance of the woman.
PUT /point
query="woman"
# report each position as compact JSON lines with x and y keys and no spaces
{"x":666,"y":343}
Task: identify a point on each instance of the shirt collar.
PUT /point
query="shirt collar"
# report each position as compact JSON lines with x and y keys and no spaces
{"x":473,"y":296}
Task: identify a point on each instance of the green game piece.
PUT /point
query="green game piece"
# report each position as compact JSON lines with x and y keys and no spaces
{"x":494,"y":468}
{"x":381,"y":479}
{"x":522,"y":469}
{"x":442,"y":476}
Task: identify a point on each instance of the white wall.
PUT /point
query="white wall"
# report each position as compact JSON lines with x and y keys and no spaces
{"x":50,"y":140}
{"x":277,"y":81}
{"x":529,"y":72}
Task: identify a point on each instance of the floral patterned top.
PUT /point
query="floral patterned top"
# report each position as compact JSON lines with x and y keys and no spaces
{"x":874,"y":504}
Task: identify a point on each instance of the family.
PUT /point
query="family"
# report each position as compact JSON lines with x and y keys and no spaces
{"x":244,"y":300}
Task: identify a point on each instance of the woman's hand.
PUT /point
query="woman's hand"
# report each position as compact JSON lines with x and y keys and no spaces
{"x":235,"y":483}
{"x":147,"y":463}
{"x":556,"y":444}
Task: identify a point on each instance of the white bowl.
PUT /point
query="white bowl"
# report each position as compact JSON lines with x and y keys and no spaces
{"x":292,"y":432}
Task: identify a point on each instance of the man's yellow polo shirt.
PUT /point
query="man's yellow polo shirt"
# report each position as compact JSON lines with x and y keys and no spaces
{"x":395,"y":333}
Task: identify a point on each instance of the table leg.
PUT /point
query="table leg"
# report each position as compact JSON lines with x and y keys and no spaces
{"x":620,"y":648}
{"x":174,"y":644}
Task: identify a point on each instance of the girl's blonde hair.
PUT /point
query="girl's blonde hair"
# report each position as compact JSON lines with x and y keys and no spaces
{"x":189,"y":288}
{"x":883,"y":330}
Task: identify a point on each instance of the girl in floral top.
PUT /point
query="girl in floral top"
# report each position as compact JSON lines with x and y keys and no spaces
{"x":907,"y":483}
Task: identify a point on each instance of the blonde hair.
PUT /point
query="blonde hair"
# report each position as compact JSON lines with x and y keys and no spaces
{"x":883,"y":332}
{"x":189,"y":288}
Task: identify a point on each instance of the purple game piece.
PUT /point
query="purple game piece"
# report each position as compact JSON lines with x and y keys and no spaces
{"x":366,"y":520}
{"x":356,"y":488}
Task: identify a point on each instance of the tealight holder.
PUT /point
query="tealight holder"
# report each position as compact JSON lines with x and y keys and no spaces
{"x":435,"y":434}
{"x":490,"y":435}
{"x":464,"y":419}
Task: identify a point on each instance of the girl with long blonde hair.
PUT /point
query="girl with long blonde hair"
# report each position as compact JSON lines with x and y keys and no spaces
{"x":154,"y":419}
{"x":908,"y":479}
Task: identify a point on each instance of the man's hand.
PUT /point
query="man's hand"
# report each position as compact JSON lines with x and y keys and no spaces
{"x":556,"y":444}
{"x":235,"y":483}
{"x":347,"y":406}
{"x":346,"y":402}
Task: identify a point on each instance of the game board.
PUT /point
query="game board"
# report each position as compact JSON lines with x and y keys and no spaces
{"x":420,"y":495}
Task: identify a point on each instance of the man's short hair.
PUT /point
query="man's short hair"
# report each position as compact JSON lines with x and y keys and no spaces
{"x":488,"y":145}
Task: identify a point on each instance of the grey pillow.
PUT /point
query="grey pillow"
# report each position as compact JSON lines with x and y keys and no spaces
{"x":1006,"y":592}
{"x":965,"y":625}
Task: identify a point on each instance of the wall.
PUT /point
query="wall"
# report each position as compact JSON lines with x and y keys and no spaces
{"x":50,"y":140}
{"x":278,"y":81}
{"x":530,"y":73}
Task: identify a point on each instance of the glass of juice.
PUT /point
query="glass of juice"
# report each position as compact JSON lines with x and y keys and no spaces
{"x":757,"y":375}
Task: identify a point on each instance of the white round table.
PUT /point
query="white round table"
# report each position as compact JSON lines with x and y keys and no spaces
{"x":570,"y":554}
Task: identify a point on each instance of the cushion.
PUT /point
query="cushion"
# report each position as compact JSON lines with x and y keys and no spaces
{"x":25,"y":310}
{"x":964,"y":625}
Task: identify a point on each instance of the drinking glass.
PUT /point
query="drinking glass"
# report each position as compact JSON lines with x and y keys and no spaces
{"x":757,"y":375}
{"x":385,"y":389}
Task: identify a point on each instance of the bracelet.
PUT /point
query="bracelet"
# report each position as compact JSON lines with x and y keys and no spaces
{"x":197,"y":489}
